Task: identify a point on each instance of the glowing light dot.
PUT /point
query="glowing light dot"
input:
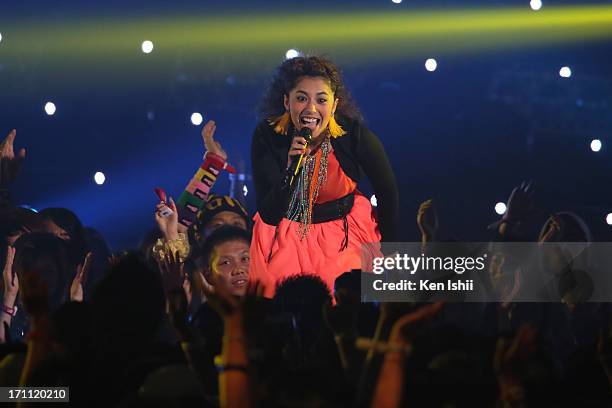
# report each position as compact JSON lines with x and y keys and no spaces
{"x":147,"y":47}
{"x":373,"y":201}
{"x":245,"y":190}
{"x":0,"y":37}
{"x":609,"y":219}
{"x":397,"y":1}
{"x":565,"y":72}
{"x":431,"y":65}
{"x":99,"y":178}
{"x":292,"y":53}
{"x":50,"y":108}
{"x":535,"y":4}
{"x":595,"y":145}
{"x":500,"y":208}
{"x":196,"y":118}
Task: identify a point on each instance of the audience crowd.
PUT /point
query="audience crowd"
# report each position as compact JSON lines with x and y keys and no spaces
{"x":178,"y":323}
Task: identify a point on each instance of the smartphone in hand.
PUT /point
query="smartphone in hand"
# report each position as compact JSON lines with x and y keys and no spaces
{"x":161,"y":194}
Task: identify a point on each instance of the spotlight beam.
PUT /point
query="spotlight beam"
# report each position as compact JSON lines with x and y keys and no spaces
{"x":73,"y":49}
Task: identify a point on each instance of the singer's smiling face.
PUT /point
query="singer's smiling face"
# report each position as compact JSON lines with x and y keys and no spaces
{"x":311,"y":104}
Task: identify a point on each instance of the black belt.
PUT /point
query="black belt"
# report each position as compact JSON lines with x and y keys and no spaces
{"x":333,"y":210}
{"x":329,"y":211}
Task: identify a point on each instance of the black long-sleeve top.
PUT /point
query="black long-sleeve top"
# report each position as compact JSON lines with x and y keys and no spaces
{"x":359,"y":152}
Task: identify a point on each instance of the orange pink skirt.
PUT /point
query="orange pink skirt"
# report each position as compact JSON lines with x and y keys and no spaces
{"x":318,"y":253}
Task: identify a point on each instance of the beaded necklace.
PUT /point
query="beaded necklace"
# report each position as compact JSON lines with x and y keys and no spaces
{"x":312,"y":176}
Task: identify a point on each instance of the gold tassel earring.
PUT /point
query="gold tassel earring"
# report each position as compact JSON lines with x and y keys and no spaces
{"x":281,"y":123}
{"x":335,"y":130}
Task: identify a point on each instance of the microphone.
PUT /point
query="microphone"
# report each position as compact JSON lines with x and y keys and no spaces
{"x":294,"y":167}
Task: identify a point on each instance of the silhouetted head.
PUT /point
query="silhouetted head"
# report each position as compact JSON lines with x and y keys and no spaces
{"x":128,"y":302}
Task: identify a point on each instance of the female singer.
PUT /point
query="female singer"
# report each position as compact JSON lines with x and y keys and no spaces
{"x":316,"y":222}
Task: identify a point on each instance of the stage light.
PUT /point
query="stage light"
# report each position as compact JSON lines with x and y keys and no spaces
{"x":245,"y":190}
{"x":196,"y":118}
{"x":28,"y":207}
{"x":500,"y":208}
{"x":595,"y":145}
{"x":147,"y":47}
{"x":565,"y":72}
{"x":292,"y":53}
{"x":50,"y":108}
{"x":535,"y":4}
{"x":99,"y":178}
{"x":397,"y":1}
{"x":373,"y":201}
{"x":431,"y":65}
{"x":609,"y":219}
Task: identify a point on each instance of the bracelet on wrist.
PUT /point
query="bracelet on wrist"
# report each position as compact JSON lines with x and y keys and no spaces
{"x":221,"y":366}
{"x":218,"y":161}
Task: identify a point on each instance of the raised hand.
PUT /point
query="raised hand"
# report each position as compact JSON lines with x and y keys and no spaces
{"x":173,"y":274}
{"x":203,"y":283}
{"x":210,"y":144}
{"x":178,"y":293}
{"x":520,"y":203}
{"x":11,"y":283}
{"x":390,"y":385}
{"x":11,"y":287}
{"x":405,"y":323}
{"x":167,"y":225}
{"x":76,"y":288}
{"x":9,"y":163}
{"x":427,"y":220}
{"x":505,"y":281}
{"x":554,"y":229}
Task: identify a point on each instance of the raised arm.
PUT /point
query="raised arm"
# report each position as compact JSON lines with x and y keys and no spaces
{"x":196,"y":193}
{"x":11,"y":288}
{"x":389,"y":390}
{"x":10,"y":163}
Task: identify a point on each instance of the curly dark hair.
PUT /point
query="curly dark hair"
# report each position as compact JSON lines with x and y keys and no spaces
{"x":289,"y":73}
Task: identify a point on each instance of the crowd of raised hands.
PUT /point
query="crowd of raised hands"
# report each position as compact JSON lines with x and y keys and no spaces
{"x":178,"y":323}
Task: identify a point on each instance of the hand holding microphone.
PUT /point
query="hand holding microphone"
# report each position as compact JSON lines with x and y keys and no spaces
{"x":298,"y":150}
